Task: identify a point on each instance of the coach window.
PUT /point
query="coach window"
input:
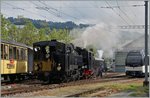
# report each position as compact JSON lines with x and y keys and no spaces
{"x":26,"y":54}
{"x":5,"y":51}
{"x":14,"y":52}
{"x":10,"y":52}
{"x":2,"y":46}
{"x":23,"y":54}
{"x":19,"y":54}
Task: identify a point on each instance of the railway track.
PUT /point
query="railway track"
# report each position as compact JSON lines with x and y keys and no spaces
{"x":100,"y":90}
{"x":32,"y":87}
{"x":8,"y":82}
{"x":85,"y":92}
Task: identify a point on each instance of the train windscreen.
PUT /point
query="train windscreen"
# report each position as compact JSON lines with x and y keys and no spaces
{"x":134,"y":58}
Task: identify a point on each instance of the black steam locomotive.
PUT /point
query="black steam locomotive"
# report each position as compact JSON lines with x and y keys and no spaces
{"x":56,"y":61}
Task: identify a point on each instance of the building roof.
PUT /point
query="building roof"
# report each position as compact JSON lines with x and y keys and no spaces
{"x":137,"y":44}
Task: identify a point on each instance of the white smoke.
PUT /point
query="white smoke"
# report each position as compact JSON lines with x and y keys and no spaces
{"x":103,"y":37}
{"x":100,"y":36}
{"x":100,"y":54}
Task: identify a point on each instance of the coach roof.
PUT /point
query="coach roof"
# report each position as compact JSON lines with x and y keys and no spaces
{"x":15,"y":43}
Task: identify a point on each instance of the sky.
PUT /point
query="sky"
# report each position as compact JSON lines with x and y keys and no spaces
{"x":87,"y":12}
{"x":105,"y":14}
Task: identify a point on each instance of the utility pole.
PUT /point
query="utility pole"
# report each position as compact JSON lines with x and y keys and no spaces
{"x":146,"y":82}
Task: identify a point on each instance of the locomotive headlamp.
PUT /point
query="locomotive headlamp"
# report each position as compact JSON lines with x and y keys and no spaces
{"x":35,"y":49}
{"x":58,"y":67}
{"x":82,"y":67}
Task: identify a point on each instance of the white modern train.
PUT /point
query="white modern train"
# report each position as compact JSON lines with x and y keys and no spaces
{"x":135,"y":64}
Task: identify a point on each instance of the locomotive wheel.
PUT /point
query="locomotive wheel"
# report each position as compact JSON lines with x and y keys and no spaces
{"x":47,"y":80}
{"x":23,"y":77}
{"x":5,"y":77}
{"x":78,"y":75}
{"x":92,"y":76}
{"x":18,"y":77}
{"x":73,"y":78}
{"x":12,"y":78}
{"x":65,"y":79}
{"x":78,"y":78}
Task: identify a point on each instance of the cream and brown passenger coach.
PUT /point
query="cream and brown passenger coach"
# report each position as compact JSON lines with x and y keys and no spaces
{"x":16,"y":60}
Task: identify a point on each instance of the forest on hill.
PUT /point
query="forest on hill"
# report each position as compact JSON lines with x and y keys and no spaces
{"x":43,"y":23}
{"x":35,"y":30}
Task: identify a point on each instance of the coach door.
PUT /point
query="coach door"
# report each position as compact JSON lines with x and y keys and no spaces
{"x":8,"y":60}
{"x":21,"y":60}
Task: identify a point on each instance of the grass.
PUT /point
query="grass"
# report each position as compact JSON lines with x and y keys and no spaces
{"x":140,"y":91}
{"x":137,"y":89}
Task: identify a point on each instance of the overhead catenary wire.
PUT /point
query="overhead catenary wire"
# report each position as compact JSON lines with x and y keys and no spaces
{"x":66,"y":14}
{"x":57,"y":10}
{"x":131,"y":10}
{"x":26,"y":10}
{"x":117,"y":13}
{"x":47,"y":8}
{"x":79,"y":12}
{"x":135,"y":21}
{"x":103,"y":16}
{"x":44,"y":8}
{"x":124,"y":12}
{"x":122,"y":6}
{"x":43,"y":16}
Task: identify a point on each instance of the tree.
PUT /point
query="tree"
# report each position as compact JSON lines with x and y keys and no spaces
{"x":29,"y":34}
{"x":61,"y":35}
{"x":42,"y":34}
{"x":5,"y":24}
{"x":13,"y":33}
{"x":53,"y":35}
{"x":67,"y":38}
